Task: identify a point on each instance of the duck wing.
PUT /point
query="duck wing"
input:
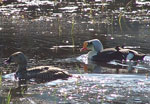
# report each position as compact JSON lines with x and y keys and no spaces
{"x":107,"y":55}
{"x":47,"y":73}
{"x":131,"y":54}
{"x":136,"y":55}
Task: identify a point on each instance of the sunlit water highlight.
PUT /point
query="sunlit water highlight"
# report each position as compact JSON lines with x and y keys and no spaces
{"x":93,"y":88}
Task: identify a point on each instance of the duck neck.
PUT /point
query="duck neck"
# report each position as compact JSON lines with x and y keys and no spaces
{"x":21,"y":67}
{"x":21,"y":71}
{"x":91,"y":54}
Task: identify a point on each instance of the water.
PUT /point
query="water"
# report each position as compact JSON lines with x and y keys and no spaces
{"x":89,"y":88}
{"x":52,"y":33}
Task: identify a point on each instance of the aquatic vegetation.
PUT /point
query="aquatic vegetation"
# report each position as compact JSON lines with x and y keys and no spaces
{"x":0,"y":78}
{"x":72,"y":32}
{"x":65,"y":96}
{"x":112,"y":24}
{"x":91,"y":15}
{"x":129,"y":4}
{"x":59,"y":27}
{"x":8,"y":97}
{"x":120,"y":17}
{"x":54,"y":94}
{"x":122,"y":13}
{"x":22,"y":90}
{"x":79,"y":70}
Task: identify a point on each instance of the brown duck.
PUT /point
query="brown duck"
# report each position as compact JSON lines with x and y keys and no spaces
{"x":97,"y":52}
{"x":39,"y":72}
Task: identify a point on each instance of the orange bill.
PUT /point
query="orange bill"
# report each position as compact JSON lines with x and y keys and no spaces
{"x":84,"y":46}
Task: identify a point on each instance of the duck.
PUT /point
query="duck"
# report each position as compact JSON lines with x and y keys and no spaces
{"x":39,"y":72}
{"x":98,"y":53}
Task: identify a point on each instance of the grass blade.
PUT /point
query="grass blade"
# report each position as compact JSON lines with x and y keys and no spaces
{"x":72,"y":32}
{"x":9,"y":97}
{"x":0,"y":78}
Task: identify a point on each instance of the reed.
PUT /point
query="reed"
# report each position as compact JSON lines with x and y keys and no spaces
{"x":22,"y":90}
{"x":77,"y":83}
{"x":0,"y":78}
{"x":59,"y":27}
{"x":121,"y":16}
{"x":91,"y":15}
{"x":65,"y":97}
{"x":129,"y":4}
{"x":120,"y":24}
{"x":54,"y":94}
{"x":112,"y":24}
{"x":9,"y":97}
{"x":72,"y":33}
{"x":78,"y":69}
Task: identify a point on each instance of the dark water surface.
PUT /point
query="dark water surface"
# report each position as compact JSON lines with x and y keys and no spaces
{"x":52,"y":33}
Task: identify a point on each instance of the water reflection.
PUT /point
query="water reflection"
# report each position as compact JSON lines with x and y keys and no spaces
{"x":111,"y":67}
{"x":114,"y":67}
{"x":13,"y":90}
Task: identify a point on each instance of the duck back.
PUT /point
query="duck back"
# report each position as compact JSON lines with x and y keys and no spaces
{"x":47,"y":73}
{"x":107,"y":55}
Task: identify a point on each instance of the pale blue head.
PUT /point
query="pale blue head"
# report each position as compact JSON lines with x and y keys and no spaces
{"x":94,"y":45}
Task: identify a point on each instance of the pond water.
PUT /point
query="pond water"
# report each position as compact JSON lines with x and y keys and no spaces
{"x":52,"y":33}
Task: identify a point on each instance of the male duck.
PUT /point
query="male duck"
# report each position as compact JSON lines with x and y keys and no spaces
{"x":39,"y":72}
{"x":97,"y":52}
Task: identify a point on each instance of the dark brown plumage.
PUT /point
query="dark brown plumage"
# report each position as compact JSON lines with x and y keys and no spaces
{"x":39,"y":72}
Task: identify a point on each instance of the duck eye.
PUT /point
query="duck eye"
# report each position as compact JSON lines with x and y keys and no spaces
{"x":90,"y":43}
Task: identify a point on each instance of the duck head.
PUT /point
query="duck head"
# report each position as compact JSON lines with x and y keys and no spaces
{"x":94,"y":45}
{"x":20,"y":59}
